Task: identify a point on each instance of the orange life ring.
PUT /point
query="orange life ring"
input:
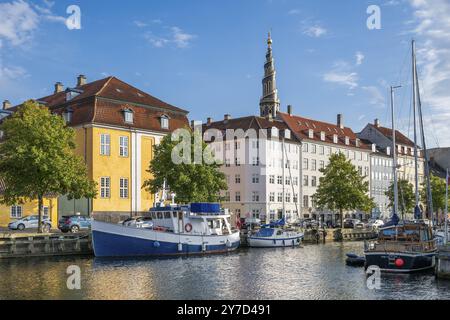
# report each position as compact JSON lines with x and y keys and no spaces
{"x":188,"y":227}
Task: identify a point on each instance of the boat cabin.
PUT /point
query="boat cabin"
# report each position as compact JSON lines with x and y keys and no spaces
{"x":198,"y":218}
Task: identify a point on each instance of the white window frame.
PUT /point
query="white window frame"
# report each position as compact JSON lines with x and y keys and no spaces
{"x":14,"y":214}
{"x":105,"y":187}
{"x":128,"y":116}
{"x":123,"y":188}
{"x":123,"y":146}
{"x":164,"y":122}
{"x":105,"y":144}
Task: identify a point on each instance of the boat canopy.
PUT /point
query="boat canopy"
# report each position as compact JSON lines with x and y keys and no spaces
{"x":274,"y":224}
{"x":205,"y":207}
{"x":265,"y":232}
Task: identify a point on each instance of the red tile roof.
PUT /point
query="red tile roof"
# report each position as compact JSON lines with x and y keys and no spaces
{"x":400,"y":138}
{"x":300,"y":127}
{"x":103,"y":101}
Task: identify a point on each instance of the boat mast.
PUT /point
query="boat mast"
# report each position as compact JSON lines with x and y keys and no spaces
{"x":425,"y":152}
{"x":394,"y":153}
{"x":416,"y":162}
{"x":284,"y":177}
{"x":446,"y":208}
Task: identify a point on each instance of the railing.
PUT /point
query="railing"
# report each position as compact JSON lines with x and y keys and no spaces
{"x":400,"y":246}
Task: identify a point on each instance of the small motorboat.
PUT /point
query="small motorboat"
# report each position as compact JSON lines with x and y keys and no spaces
{"x":274,"y":235}
{"x":354,"y":260}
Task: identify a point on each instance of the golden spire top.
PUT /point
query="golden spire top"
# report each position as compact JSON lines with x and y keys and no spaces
{"x":269,"y":39}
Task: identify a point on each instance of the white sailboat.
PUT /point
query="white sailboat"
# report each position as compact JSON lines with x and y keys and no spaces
{"x":276,"y":234}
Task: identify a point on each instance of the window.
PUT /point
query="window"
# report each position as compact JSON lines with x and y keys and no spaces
{"x":238,"y":162}
{"x":227,"y":196}
{"x":105,"y":187}
{"x":255,"y":161}
{"x":280,"y":197}
{"x":105,"y":144}
{"x":255,"y":178}
{"x":123,"y":146}
{"x":305,"y":164}
{"x":305,"y":147}
{"x":237,"y":145}
{"x":46,"y":211}
{"x":288,"y":181}
{"x":237,"y":196}
{"x":237,"y":178}
{"x":272,"y":179}
{"x":123,"y":188}
{"x":295,"y":200}
{"x":313,"y":165}
{"x":305,"y":201}
{"x":165,"y":122}
{"x":322,"y":164}
{"x":313,"y":181}
{"x":16,"y":212}
{"x":305,"y":181}
{"x":255,"y":196}
{"x":321,"y":150}
{"x":227,"y":163}
{"x":280,"y":180}
{"x":272,"y":197}
{"x":313,"y":148}
{"x":128,"y":115}
{"x":255,"y":213}
{"x":295,"y":181}
{"x":288,"y":197}
{"x":67,"y":115}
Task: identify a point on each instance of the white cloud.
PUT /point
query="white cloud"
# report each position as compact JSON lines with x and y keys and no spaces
{"x":294,"y":11}
{"x":359,"y":58}
{"x":315,"y":31}
{"x":349,"y":79}
{"x":18,"y":21}
{"x":140,"y":24}
{"x":432,"y":30}
{"x":176,"y":37}
{"x":376,"y":98}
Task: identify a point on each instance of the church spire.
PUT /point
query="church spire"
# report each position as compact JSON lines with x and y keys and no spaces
{"x":269,"y":104}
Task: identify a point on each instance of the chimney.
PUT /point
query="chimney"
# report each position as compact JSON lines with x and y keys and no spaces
{"x":340,"y":121}
{"x":59,"y":87}
{"x":209,"y":121}
{"x":6,"y":104}
{"x":227,"y":117}
{"x":289,"y":110}
{"x":81,"y":80}
{"x":377,"y":123}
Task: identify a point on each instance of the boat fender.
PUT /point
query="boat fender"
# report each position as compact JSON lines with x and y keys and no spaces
{"x":229,"y":244}
{"x":399,"y":262}
{"x":188,"y":227}
{"x":156,"y":244}
{"x":203,"y":247}
{"x":180,"y":247}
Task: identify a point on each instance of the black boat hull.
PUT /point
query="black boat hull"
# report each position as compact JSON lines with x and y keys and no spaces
{"x":401,"y":262}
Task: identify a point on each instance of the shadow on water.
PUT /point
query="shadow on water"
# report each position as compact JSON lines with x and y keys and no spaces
{"x":308,"y":272}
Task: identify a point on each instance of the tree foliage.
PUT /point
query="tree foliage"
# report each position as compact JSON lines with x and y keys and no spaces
{"x":37,"y":158}
{"x":406,"y":196}
{"x":342,"y":188}
{"x":190,"y":181}
{"x":437,"y":192}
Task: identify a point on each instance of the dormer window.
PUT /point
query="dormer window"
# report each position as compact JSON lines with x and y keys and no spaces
{"x":311,"y":133}
{"x":357,"y":143}
{"x":347,"y":141}
{"x":67,"y":115}
{"x":72,"y":93}
{"x":128,"y":115}
{"x":322,"y":136}
{"x":335,"y":138}
{"x":164,"y":122}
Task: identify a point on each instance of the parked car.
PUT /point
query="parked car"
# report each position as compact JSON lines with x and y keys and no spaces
{"x":350,"y":223}
{"x":375,"y":223}
{"x":74,"y":223}
{"x":360,"y":225}
{"x":30,"y":222}
{"x":138,"y":222}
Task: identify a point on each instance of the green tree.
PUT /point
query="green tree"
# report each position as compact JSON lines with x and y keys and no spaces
{"x":37,"y":158}
{"x":437,"y":192}
{"x":406,"y":196}
{"x":342,"y":188}
{"x":190,"y":181}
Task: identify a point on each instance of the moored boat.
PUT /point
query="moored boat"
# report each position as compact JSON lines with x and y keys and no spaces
{"x":199,"y":228}
{"x":274,"y":236}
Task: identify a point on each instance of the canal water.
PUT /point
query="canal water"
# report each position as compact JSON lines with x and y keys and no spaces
{"x":309,"y":272}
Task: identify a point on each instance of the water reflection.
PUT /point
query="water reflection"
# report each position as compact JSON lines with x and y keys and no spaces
{"x":310,"y":272}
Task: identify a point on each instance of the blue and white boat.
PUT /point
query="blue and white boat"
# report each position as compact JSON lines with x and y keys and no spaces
{"x":274,"y":235}
{"x":198,"y":228}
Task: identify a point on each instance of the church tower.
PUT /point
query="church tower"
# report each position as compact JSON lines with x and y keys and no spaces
{"x":269,"y":104}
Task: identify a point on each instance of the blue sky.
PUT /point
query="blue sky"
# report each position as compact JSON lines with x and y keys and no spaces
{"x":207,"y":56}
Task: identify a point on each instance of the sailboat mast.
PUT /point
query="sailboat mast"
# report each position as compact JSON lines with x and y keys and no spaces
{"x":425,"y":153}
{"x":414,"y":87}
{"x":284,"y":177}
{"x":394,"y":152}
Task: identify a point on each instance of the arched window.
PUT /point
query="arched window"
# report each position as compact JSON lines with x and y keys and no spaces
{"x":164,"y":122}
{"x":128,"y":115}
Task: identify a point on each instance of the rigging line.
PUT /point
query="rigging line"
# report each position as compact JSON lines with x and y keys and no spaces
{"x":433,"y":129}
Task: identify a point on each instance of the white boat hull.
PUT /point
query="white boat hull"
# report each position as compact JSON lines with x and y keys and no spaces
{"x":274,"y":242}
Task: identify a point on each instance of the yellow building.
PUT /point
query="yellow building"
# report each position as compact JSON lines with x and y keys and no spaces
{"x":116,"y":128}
